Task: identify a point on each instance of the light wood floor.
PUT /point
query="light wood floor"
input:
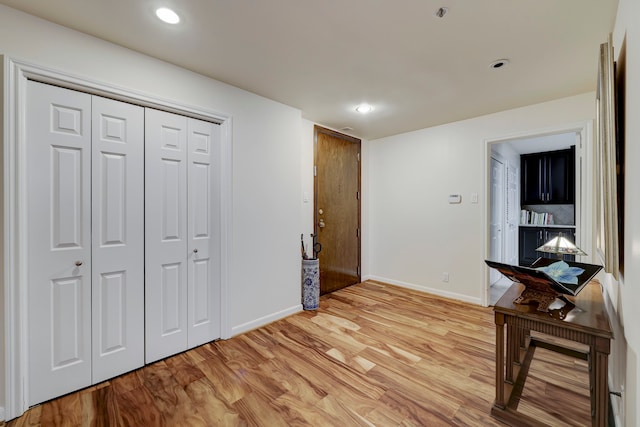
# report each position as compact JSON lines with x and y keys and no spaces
{"x":372,"y":355}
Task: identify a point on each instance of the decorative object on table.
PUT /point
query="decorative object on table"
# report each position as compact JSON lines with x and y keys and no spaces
{"x":560,"y":245}
{"x":562,"y":272}
{"x":542,"y":288}
{"x":311,"y":275}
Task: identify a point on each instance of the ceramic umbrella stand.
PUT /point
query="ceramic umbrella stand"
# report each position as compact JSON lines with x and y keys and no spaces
{"x":310,"y":284}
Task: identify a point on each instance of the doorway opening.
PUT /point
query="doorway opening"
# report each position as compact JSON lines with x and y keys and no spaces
{"x":506,"y":208}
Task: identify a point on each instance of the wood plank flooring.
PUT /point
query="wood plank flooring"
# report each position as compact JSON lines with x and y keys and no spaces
{"x":372,"y":355}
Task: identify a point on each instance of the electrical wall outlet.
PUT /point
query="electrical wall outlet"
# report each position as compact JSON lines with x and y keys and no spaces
{"x":445,"y":277}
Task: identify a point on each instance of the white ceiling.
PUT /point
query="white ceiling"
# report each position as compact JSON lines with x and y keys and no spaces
{"x":326,"y":56}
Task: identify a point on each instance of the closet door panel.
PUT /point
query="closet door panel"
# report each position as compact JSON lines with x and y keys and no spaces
{"x":204,"y":233}
{"x":118,"y":237}
{"x":58,"y":197}
{"x":165,"y":234}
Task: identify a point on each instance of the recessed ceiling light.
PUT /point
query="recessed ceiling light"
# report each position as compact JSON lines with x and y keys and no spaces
{"x":440,"y":13}
{"x":167,"y":15}
{"x":364,"y":108}
{"x":500,"y":63}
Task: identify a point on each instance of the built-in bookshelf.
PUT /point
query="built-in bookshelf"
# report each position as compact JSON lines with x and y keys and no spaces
{"x":547,"y":215}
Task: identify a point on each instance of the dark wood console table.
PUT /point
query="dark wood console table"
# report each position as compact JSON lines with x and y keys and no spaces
{"x":582,"y":320}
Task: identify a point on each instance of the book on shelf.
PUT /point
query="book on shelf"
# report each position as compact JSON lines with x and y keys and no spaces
{"x":528,"y":217}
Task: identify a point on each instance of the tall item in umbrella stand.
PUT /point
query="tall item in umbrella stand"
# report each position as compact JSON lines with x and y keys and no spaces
{"x":310,"y":284}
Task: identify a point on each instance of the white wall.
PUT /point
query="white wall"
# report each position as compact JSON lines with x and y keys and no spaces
{"x":627,"y":292}
{"x":266,"y":223}
{"x":415,"y":235}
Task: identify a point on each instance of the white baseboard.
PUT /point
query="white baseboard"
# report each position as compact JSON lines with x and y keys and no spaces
{"x":254,"y":324}
{"x":438,"y":292}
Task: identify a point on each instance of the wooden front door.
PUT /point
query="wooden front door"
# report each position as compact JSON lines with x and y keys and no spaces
{"x":337,"y":208}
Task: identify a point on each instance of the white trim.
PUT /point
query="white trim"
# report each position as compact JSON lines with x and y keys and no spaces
{"x":13,"y":293}
{"x":226,"y":226}
{"x":583,"y":193}
{"x":16,"y":74}
{"x":428,"y":290}
{"x":257,"y":323}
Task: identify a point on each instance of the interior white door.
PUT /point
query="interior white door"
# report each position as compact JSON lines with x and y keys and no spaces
{"x":204,"y":232}
{"x":118,"y":237}
{"x":165,"y":234}
{"x":58,"y":147}
{"x":497,"y":217}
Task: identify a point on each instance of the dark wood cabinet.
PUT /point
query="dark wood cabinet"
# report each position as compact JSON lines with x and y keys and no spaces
{"x":531,"y":238}
{"x":548,"y":178}
{"x":528,"y":241}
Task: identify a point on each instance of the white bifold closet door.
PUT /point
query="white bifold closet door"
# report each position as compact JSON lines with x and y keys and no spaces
{"x":85,"y":239}
{"x":182,"y":233}
{"x":118,"y":237}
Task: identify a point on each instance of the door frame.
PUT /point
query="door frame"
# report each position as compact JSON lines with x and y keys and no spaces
{"x":584,"y":189}
{"x":317,"y":130}
{"x":15,"y":75}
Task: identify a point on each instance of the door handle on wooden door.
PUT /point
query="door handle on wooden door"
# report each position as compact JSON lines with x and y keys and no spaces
{"x":321,"y":223}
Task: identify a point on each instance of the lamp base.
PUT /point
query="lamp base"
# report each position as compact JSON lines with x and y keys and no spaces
{"x":543,"y":295}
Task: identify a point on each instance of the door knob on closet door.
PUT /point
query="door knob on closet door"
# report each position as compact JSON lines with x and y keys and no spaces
{"x":195,"y":251}
{"x":78,"y":263}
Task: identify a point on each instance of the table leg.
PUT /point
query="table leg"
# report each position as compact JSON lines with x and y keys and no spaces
{"x":499,"y":402}
{"x":524,"y":334}
{"x":599,"y":362}
{"x":513,"y":343}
